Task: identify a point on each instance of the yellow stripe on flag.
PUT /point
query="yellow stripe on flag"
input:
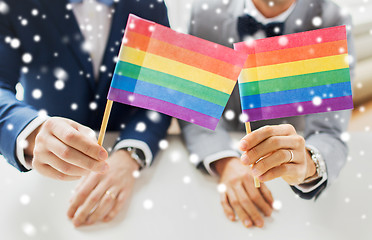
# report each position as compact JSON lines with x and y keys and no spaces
{"x":294,"y":68}
{"x":181,"y":70}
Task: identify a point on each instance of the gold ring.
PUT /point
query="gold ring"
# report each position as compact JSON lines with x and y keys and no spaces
{"x":290,"y":160}
{"x":108,"y":192}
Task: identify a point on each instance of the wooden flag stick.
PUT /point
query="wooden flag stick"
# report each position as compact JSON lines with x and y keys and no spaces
{"x":105,"y":120}
{"x":248,"y":130}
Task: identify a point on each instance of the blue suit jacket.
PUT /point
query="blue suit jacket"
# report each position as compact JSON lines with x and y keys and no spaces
{"x":61,"y":47}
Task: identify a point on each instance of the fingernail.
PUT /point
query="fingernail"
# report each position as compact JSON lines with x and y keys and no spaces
{"x":255,"y":172}
{"x":105,"y":168}
{"x":102,"y":155}
{"x":247,"y":223}
{"x":243,"y":145}
{"x":259,"y":223}
{"x":231,"y":217}
{"x":244,"y":158}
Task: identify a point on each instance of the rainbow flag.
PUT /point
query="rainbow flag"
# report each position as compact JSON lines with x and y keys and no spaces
{"x":296,"y":74}
{"x":174,"y":73}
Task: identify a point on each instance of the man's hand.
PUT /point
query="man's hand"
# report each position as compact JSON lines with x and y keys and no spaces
{"x":241,"y":196}
{"x":269,"y":150}
{"x":100,"y":197}
{"x":65,"y":150}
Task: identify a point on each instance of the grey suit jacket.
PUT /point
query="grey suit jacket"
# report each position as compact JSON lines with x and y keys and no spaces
{"x":320,"y":130}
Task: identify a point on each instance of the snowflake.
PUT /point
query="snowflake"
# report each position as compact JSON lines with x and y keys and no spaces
{"x":27,"y":58}
{"x":60,"y":73}
{"x":29,"y":229}
{"x":317,"y":21}
{"x":24,"y":22}
{"x":153,"y":116}
{"x":103,"y":68}
{"x":141,"y":127}
{"x":345,"y":136}
{"x":317,"y":101}
{"x":23,"y":143}
{"x":229,"y":115}
{"x":15,"y":43}
{"x":37,"y":38}
{"x":221,"y":188}
{"x":298,"y":22}
{"x":37,"y":93}
{"x":59,"y":84}
{"x":74,"y":106}
{"x":10,"y":127}
{"x":163,"y":144}
{"x":136,"y":174}
{"x":25,"y":199}
{"x":93,"y":106}
{"x":277,"y":205}
{"x":243,"y":117}
{"x":4,"y":8}
{"x":271,"y":4}
{"x":34,"y":12}
{"x":205,"y":6}
{"x":283,"y":41}
{"x":300,"y":109}
{"x":186,"y":179}
{"x":148,"y":204}
{"x":194,"y":158}
{"x":347,"y":200}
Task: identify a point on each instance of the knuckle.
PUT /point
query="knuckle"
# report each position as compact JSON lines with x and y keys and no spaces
{"x":65,"y":168}
{"x":49,"y":124}
{"x":234,"y":203}
{"x":268,"y":130}
{"x":253,"y":153}
{"x":275,"y":141}
{"x":255,"y":197}
{"x":66,"y":152}
{"x":94,"y":199}
{"x":69,"y":136}
{"x":290,"y":128}
{"x":244,"y":201}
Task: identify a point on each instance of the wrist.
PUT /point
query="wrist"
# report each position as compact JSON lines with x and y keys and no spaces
{"x":29,"y":150}
{"x":220,"y":165}
{"x":122,"y":154}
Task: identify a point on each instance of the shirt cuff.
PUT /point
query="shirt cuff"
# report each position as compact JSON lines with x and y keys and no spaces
{"x":21,"y":140}
{"x":309,"y":187}
{"x":139,"y":145}
{"x":218,"y":156}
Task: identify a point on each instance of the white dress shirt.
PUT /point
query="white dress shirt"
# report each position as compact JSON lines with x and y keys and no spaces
{"x":251,"y":9}
{"x":94,"y":19}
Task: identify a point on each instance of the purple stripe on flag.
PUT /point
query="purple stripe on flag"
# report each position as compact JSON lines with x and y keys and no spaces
{"x":301,"y":108}
{"x":138,"y":100}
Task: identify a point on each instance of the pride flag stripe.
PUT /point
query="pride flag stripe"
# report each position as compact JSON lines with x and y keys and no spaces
{"x":295,"y":82}
{"x":296,"y":54}
{"x":296,"y":95}
{"x":172,"y":82}
{"x":177,"y":111}
{"x":294,"y":109}
{"x":295,"y":68}
{"x":178,"y":69}
{"x":168,"y":95}
{"x":293,"y":40}
{"x":192,"y":43}
{"x":166,"y":50}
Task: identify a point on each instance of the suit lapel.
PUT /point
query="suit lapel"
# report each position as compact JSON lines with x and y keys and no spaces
{"x":113,"y":45}
{"x":70,"y":33}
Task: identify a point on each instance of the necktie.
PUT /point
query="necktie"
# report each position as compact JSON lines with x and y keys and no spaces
{"x":106,"y":2}
{"x":248,"y":26}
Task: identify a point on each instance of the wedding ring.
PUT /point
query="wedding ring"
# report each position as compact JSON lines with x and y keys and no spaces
{"x":290,"y":160}
{"x":108,"y":192}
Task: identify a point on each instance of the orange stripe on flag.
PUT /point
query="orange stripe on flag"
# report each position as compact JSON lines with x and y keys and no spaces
{"x":296,"y":54}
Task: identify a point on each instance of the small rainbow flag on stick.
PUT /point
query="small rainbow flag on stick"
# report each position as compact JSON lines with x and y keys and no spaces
{"x":296,"y":74}
{"x":173,"y":73}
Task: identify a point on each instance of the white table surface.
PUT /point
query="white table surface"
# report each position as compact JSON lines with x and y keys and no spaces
{"x":34,"y":207}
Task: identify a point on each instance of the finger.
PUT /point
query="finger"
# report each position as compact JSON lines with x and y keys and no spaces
{"x":81,"y":216}
{"x":235,"y":203}
{"x":266,"y":193}
{"x":119,"y":204}
{"x":87,"y":131}
{"x":107,"y":202}
{"x":79,"y":141}
{"x":270,"y":145}
{"x":72,"y":156}
{"x":80,"y":196}
{"x":276,"y":159}
{"x":229,"y":212}
{"x":64,"y":167}
{"x":50,"y":172}
{"x":248,"y":206}
{"x":277,"y":172}
{"x":259,"y":135}
{"x":256,"y":197}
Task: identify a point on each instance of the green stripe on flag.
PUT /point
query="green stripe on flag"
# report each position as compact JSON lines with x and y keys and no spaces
{"x":172,"y":82}
{"x":294,"y":82}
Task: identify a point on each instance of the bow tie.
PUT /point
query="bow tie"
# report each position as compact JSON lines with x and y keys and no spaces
{"x":106,"y":2}
{"x":248,"y":26}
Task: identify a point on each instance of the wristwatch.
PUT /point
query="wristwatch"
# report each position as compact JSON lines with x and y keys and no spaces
{"x":319,"y":165}
{"x":138,"y":155}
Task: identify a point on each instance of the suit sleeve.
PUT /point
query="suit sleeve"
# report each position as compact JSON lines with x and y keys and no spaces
{"x":323,"y":131}
{"x":14,"y":115}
